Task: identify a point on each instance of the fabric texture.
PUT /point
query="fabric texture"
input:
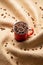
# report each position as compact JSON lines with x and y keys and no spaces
{"x":30,"y":51}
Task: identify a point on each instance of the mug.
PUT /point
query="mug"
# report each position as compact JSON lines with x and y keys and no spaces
{"x":22,"y":31}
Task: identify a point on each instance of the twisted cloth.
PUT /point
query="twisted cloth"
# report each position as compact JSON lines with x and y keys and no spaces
{"x":30,"y":51}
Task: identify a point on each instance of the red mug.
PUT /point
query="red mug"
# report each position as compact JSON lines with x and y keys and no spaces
{"x":22,"y":31}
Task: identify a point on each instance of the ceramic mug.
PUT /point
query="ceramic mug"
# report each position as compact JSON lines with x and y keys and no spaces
{"x":22,"y":31}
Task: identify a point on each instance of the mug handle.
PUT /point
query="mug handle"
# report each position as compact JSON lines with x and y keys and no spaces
{"x":31,"y":31}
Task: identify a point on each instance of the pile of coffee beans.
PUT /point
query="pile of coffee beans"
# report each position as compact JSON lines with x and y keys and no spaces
{"x":21,"y":28}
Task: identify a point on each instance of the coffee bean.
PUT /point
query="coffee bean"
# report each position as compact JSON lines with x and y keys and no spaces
{"x":17,"y":62}
{"x":2,"y":28}
{"x":28,"y":14}
{"x":12,"y":30}
{"x":40,"y":47}
{"x":2,"y":14}
{"x":32,"y":19}
{"x":4,"y":9}
{"x":13,"y":44}
{"x":35,"y":2}
{"x":13,"y":17}
{"x":5,"y":45}
{"x":11,"y":57}
{"x":7,"y":52}
{"x":4,"y":17}
{"x":24,"y":49}
{"x":33,"y":49}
